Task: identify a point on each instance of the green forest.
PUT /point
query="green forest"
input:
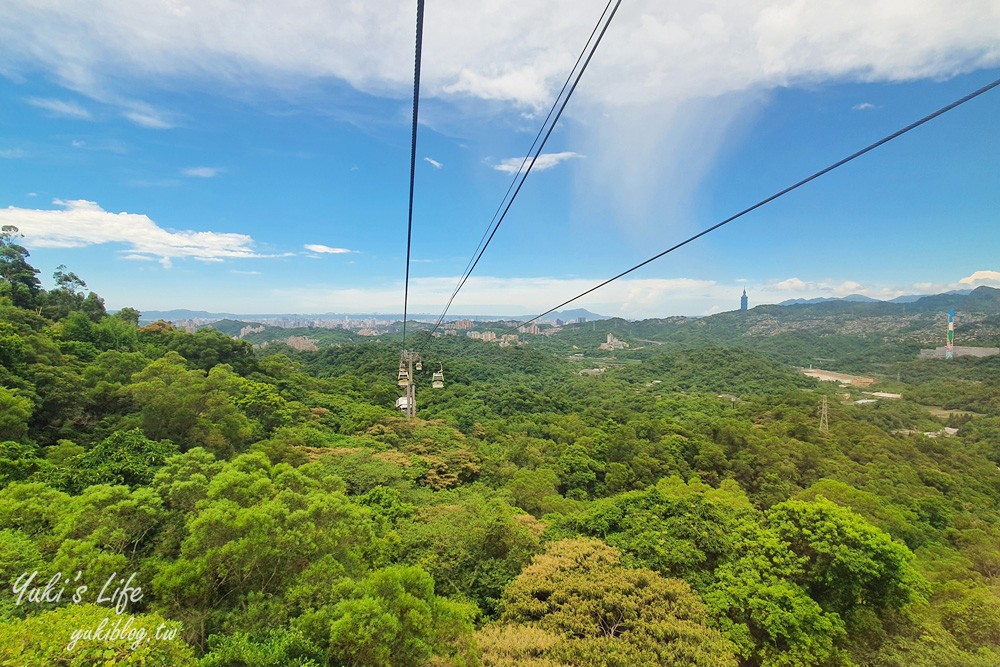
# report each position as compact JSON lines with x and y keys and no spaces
{"x":222,"y":506}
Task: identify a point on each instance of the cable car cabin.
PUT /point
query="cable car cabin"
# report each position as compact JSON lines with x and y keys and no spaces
{"x":403,"y":403}
{"x":403,"y":379}
{"x":419,"y":366}
{"x":438,"y":380}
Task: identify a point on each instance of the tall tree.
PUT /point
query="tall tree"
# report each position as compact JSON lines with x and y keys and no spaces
{"x":19,"y":276}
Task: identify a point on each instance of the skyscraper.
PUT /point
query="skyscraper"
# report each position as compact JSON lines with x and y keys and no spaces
{"x":744,"y":301}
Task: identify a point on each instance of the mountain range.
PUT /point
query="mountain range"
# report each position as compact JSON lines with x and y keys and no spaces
{"x":861,"y":298}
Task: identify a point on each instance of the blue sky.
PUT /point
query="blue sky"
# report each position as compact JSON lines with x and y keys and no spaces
{"x":241,"y":157}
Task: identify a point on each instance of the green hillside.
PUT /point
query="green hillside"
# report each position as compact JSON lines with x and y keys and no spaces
{"x":684,"y":508}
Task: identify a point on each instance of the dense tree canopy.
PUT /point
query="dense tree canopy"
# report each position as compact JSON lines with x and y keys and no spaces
{"x":682,"y":508}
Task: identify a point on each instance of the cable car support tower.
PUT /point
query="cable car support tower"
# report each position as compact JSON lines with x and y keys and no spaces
{"x":405,"y":380}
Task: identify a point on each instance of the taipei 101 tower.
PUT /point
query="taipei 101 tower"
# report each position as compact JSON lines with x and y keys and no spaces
{"x":744,"y":301}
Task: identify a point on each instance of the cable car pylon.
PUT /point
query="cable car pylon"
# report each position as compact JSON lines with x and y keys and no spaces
{"x":407,"y":381}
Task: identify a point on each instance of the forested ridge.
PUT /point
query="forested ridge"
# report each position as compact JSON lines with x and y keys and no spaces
{"x":276,"y":511}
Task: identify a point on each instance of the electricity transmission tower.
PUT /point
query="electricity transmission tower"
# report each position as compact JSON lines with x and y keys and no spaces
{"x":824,"y":416}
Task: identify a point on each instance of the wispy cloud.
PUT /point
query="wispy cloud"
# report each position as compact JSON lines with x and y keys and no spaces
{"x":201,"y":172}
{"x":155,"y":182}
{"x":864,"y":106}
{"x":494,"y":295}
{"x":81,"y":223}
{"x":245,"y":273}
{"x":657,"y":106}
{"x":544,"y":161}
{"x":11,"y":153}
{"x":432,"y":162}
{"x":149,"y":118}
{"x":60,"y":108}
{"x":325,"y":249}
{"x":111,"y":146}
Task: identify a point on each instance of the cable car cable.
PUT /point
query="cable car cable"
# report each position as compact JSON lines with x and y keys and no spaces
{"x":520,"y":169}
{"x":821,"y":172}
{"x":413,"y":156}
{"x":531,"y":164}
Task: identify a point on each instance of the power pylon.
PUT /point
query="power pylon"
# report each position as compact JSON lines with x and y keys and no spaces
{"x":824,"y":416}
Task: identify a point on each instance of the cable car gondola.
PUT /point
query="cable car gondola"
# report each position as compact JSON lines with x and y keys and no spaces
{"x":438,"y":380}
{"x":419,"y":365}
{"x":403,"y":379}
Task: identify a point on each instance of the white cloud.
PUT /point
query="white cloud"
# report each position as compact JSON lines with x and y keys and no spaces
{"x":632,"y":298}
{"x":201,"y":172}
{"x":325,"y":249}
{"x":11,"y":153}
{"x":81,"y":223}
{"x":512,"y":296}
{"x":848,"y":287}
{"x":791,"y":284}
{"x":434,"y":163}
{"x":110,"y":145}
{"x":864,"y":106}
{"x":989,"y":278}
{"x":664,"y":93}
{"x":60,"y":108}
{"x":523,"y":85}
{"x":543,"y":162}
{"x":149,"y":119}
{"x":502,"y":51}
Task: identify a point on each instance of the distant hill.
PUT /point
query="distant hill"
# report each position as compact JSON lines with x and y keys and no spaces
{"x":916,"y":297}
{"x":231,"y":327}
{"x":850,"y":336}
{"x":571,"y":315}
{"x":859,"y":298}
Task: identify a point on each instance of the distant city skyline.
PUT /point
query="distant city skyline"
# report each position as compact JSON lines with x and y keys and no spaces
{"x":462,"y":322}
{"x":218,"y":169}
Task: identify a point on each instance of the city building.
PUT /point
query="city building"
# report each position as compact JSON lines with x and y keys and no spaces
{"x":613,"y":344}
{"x":744,"y":300}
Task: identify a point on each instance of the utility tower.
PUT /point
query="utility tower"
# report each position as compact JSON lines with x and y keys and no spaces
{"x":949,"y":351}
{"x":824,"y":416}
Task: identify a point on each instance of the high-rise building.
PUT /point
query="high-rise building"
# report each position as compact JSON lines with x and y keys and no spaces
{"x":744,"y":300}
